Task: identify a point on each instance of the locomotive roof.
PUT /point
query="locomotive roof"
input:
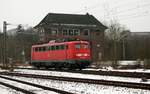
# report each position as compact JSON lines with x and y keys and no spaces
{"x":59,"y":43}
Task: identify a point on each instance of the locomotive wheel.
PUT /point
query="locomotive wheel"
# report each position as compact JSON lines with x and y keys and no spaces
{"x":68,"y":66}
{"x":58,"y":66}
{"x":46,"y":67}
{"x":37,"y":67}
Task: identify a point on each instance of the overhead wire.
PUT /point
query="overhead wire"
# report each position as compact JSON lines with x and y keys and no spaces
{"x":117,"y":14}
{"x":134,"y":16}
{"x":136,"y":10}
{"x":111,"y":12}
{"x":131,"y":9}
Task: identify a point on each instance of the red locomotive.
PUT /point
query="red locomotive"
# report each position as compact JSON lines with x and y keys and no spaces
{"x":72,"y":55}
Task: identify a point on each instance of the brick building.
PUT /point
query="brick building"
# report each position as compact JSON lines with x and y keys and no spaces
{"x":63,"y":27}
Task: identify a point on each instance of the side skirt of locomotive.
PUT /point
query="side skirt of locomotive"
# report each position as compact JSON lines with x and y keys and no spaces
{"x":70,"y":64}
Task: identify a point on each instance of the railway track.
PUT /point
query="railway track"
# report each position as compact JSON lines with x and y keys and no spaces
{"x":81,"y":80}
{"x":30,"y":84}
{"x":17,"y":88}
{"x":107,"y":73}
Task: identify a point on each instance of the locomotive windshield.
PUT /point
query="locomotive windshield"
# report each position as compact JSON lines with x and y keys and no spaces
{"x":77,"y":46}
{"x":81,"y":46}
{"x":85,"y":46}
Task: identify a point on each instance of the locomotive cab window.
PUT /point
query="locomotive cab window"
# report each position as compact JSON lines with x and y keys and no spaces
{"x":44,"y":48}
{"x":35,"y":49}
{"x":52,"y":47}
{"x":62,"y":47}
{"x":39,"y":49}
{"x":57,"y":47}
{"x":85,"y":46}
{"x":77,"y":46}
{"x":81,"y":46}
{"x":49,"y":48}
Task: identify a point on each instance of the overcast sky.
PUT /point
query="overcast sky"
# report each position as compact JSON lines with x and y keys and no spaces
{"x":134,"y":14}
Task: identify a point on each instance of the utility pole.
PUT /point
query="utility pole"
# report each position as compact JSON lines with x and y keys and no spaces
{"x":4,"y":43}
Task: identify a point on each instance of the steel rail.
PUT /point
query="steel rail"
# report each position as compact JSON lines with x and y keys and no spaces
{"x":17,"y":88}
{"x":82,"y":80}
{"x":39,"y":86}
{"x":107,"y":73}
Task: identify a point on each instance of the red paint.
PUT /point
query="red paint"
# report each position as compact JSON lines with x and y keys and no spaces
{"x":69,"y":53}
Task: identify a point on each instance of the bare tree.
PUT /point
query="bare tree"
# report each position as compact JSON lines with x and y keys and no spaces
{"x":115,"y":33}
{"x":19,"y":43}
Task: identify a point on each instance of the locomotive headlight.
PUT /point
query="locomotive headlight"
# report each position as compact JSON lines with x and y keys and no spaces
{"x":81,"y":54}
{"x":78,"y":54}
{"x":86,"y":54}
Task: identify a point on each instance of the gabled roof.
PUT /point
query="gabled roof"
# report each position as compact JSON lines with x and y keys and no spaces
{"x":71,"y":19}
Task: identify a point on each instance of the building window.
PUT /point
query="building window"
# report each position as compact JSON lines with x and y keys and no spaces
{"x":76,"y":32}
{"x":48,"y":31}
{"x":54,"y":31}
{"x":71,"y":33}
{"x":41,"y":38}
{"x":41,"y":30}
{"x":65,"y":32}
{"x":86,"y":32}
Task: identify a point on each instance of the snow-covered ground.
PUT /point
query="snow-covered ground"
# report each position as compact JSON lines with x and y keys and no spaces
{"x":79,"y":88}
{"x":133,"y":70}
{"x":121,"y":70}
{"x":108,"y":68}
{"x":83,"y":88}
{"x":6,"y":90}
{"x":79,"y":75}
{"x":26,"y":87}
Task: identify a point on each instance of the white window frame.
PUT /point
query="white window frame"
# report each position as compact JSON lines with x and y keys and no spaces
{"x":69,"y":33}
{"x":78,"y":33}
{"x":65,"y":33}
{"x":52,"y":31}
